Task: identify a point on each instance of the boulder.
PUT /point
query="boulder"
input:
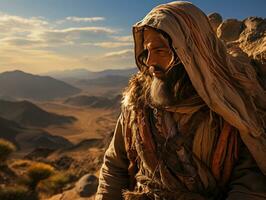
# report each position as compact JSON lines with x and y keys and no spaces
{"x":84,"y":189}
{"x":215,"y":20}
{"x":253,"y":39}
{"x":230,"y":30}
{"x":87,"y":185}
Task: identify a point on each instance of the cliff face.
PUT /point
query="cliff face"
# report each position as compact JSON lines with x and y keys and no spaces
{"x":249,"y":35}
{"x":245,"y":40}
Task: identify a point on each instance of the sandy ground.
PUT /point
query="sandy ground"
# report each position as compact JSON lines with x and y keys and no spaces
{"x":91,"y":122}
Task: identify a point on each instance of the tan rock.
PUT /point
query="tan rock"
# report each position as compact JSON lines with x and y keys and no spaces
{"x":230,"y":30}
{"x":253,"y":39}
{"x":215,"y":20}
{"x":84,"y":189}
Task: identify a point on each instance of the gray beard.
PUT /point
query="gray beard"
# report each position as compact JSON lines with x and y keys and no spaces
{"x":160,"y":93}
{"x":172,"y":88}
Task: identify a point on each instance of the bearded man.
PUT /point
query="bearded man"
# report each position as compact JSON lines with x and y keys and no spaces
{"x":193,"y":118}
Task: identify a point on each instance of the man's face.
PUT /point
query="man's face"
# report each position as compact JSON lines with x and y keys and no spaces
{"x":159,"y":55}
{"x":158,"y":58}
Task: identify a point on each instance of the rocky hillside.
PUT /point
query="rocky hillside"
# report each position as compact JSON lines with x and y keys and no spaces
{"x":26,"y":139}
{"x":245,"y":39}
{"x":18,"y":84}
{"x":94,"y":101}
{"x":28,"y":114}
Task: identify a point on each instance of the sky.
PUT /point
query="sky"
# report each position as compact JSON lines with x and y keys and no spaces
{"x":39,"y":36}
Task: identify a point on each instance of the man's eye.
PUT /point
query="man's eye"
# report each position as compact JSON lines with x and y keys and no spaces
{"x":162,"y":52}
{"x":145,"y":52}
{"x":143,"y":56}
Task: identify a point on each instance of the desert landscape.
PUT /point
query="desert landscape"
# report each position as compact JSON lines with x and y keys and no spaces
{"x":60,"y":123}
{"x":68,"y":129}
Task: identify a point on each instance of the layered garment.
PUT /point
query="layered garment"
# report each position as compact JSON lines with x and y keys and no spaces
{"x":207,"y":146}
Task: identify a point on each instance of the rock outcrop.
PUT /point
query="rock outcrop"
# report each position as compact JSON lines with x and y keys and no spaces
{"x":245,"y":40}
{"x":215,"y":20}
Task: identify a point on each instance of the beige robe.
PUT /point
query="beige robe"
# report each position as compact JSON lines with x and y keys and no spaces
{"x":247,"y":180}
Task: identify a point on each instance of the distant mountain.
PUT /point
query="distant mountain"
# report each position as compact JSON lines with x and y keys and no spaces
{"x":18,"y":84}
{"x":28,"y":114}
{"x":9,"y":129}
{"x":78,"y":74}
{"x":87,"y":144}
{"x":94,"y":101}
{"x":27,"y":139}
{"x":117,"y":72}
{"x":107,"y":81}
{"x":103,"y":83}
{"x":68,"y":74}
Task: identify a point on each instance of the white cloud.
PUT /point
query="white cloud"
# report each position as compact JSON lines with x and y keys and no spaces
{"x":114,"y":59}
{"x":119,"y":54}
{"x":34,"y":60}
{"x":128,"y":38}
{"x":76,"y":34}
{"x":37,"y":29}
{"x":11,"y":25}
{"x":21,"y":21}
{"x":36,"y":44}
{"x":85,"y":19}
{"x":109,"y":45}
{"x":85,"y":29}
{"x":21,"y":42}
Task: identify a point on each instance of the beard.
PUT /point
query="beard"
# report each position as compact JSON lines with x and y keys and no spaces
{"x":171,"y":87}
{"x":160,"y":93}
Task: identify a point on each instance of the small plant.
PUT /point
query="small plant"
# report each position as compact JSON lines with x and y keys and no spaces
{"x":6,"y":148}
{"x":55,"y":183}
{"x":38,"y":172}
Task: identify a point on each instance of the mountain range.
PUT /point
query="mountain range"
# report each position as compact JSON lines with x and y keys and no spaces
{"x":18,"y":84}
{"x":79,"y":74}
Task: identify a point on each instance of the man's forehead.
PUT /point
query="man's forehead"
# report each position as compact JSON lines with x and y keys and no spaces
{"x":152,"y":36}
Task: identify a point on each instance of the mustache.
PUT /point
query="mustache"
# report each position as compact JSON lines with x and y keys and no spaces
{"x":157,"y":71}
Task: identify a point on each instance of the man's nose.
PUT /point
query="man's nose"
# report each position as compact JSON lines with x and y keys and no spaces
{"x":148,"y":60}
{"x":151,"y":60}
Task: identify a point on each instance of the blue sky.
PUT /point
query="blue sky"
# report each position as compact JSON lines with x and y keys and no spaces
{"x":44,"y":35}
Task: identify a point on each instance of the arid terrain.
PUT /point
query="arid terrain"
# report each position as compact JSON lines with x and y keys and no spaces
{"x":91,"y":122}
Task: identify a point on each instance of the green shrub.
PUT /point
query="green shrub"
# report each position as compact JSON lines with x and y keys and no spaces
{"x":38,"y":172}
{"x":17,"y":193}
{"x":6,"y":148}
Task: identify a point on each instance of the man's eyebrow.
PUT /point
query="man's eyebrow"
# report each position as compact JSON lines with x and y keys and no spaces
{"x":156,"y":46}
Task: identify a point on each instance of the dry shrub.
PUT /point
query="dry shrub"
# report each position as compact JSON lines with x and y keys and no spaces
{"x":38,"y":172}
{"x":6,"y":148}
{"x":17,"y":193}
{"x":55,"y":183}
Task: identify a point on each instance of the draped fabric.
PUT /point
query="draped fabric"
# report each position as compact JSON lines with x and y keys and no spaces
{"x":227,"y":86}
{"x":203,"y":151}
